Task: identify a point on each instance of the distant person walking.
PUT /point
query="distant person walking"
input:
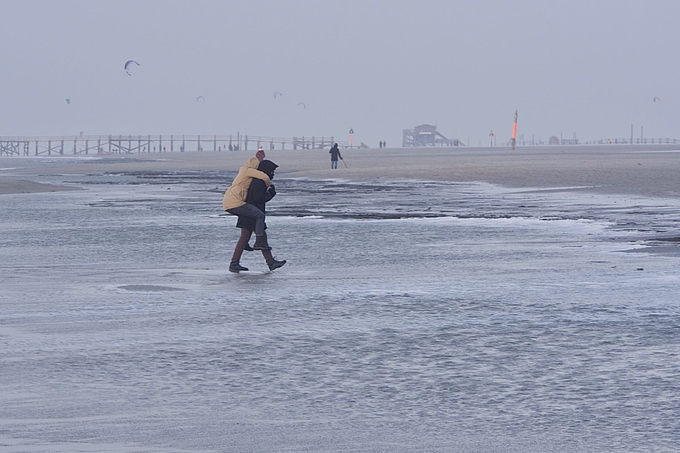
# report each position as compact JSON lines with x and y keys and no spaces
{"x":335,"y":154}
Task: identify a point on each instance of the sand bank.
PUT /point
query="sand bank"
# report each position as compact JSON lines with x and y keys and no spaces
{"x":14,"y":186}
{"x":652,"y":171}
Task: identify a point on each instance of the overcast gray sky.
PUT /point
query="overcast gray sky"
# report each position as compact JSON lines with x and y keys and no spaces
{"x":587,"y":66}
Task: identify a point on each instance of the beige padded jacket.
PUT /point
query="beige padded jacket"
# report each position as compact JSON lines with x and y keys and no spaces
{"x":235,"y":195}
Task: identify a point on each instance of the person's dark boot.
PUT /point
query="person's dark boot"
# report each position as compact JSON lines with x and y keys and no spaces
{"x":261,"y":243}
{"x":235,"y":267}
{"x":274,"y":264}
{"x":248,"y":248}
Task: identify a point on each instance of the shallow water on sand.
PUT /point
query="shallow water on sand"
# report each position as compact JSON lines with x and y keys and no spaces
{"x":411,"y":317}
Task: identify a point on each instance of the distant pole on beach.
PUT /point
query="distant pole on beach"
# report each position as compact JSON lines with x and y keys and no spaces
{"x":513,"y":141}
{"x":351,"y":136}
{"x":631,"y":134}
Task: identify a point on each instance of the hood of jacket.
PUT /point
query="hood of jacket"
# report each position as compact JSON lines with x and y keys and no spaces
{"x":267,"y":166}
{"x":253,"y":162}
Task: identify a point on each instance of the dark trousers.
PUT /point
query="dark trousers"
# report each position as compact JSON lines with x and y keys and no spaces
{"x":241,"y":245}
{"x":248,"y":210}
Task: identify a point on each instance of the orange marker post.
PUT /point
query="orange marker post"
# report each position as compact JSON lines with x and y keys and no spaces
{"x":513,"y":141}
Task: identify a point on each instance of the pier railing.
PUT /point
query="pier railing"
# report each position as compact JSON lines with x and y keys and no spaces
{"x":635,"y":141}
{"x":129,"y":144}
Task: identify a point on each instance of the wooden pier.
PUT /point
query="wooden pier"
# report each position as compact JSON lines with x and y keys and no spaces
{"x":130,"y":144}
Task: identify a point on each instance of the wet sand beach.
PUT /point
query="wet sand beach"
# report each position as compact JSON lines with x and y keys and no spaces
{"x":648,"y":171}
{"x":497,"y":306}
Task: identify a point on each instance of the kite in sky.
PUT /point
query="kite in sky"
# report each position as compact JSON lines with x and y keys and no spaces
{"x":128,"y":64}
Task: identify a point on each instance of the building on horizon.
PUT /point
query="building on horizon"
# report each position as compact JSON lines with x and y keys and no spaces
{"x":426,"y":135}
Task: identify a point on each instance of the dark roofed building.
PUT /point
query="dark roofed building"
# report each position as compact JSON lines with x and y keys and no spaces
{"x":426,"y":135}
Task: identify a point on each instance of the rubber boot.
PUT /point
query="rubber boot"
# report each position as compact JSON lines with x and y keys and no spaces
{"x":235,"y":267}
{"x":274,"y":264}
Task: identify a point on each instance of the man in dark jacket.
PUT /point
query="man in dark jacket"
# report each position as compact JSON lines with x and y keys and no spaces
{"x":335,"y":153}
{"x":258,"y":195}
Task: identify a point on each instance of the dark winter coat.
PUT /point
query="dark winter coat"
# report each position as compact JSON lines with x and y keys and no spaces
{"x":258,"y":195}
{"x":335,"y":153}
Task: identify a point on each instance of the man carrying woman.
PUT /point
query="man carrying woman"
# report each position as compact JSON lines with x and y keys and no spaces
{"x":248,"y":205}
{"x":258,"y":195}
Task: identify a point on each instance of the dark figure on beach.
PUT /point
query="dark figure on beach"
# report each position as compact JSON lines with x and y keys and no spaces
{"x":260,"y":155}
{"x":258,"y":195}
{"x":335,"y":154}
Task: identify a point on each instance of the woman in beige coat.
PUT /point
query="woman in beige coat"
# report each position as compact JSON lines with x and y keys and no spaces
{"x":234,"y":201}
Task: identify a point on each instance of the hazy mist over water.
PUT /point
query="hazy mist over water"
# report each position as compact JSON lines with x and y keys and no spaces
{"x":411,"y":316}
{"x":590,"y":68}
